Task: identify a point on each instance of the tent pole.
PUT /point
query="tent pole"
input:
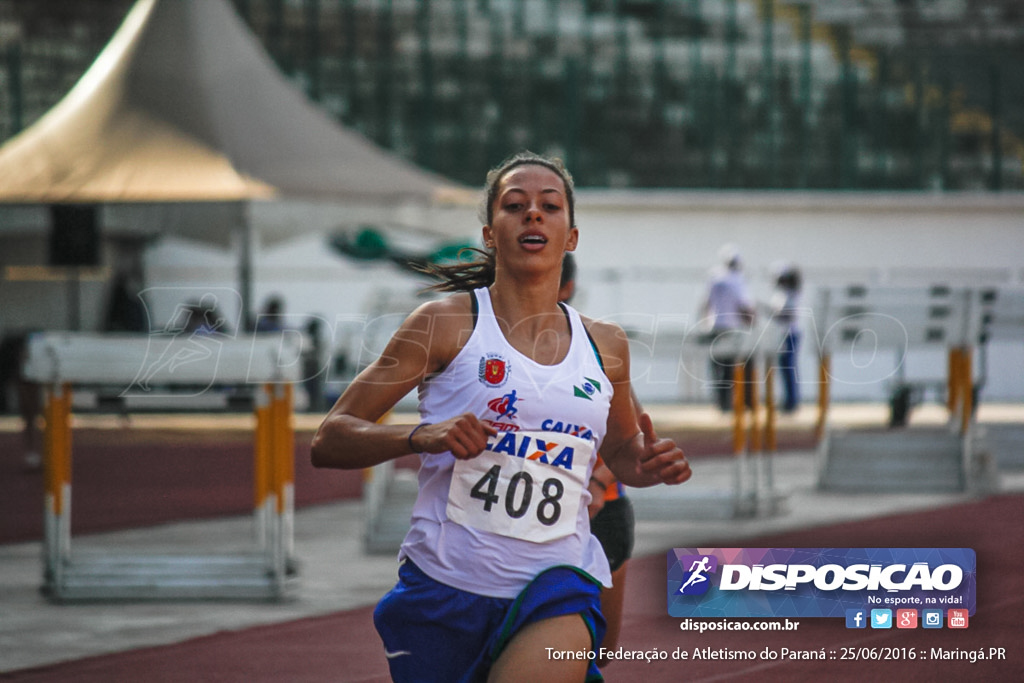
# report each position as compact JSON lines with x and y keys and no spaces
{"x":245,"y":261}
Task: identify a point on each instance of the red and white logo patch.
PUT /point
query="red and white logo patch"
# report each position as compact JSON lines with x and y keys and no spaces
{"x":494,"y":370}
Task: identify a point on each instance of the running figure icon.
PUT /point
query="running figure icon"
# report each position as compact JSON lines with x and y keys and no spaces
{"x":697,"y":571}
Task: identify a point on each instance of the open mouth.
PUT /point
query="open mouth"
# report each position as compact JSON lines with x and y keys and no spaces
{"x":533,"y":239}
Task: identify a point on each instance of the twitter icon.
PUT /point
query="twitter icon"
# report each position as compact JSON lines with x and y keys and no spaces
{"x":881,"y":618}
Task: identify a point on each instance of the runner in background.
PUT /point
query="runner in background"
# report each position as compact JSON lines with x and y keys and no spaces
{"x":611,"y":512}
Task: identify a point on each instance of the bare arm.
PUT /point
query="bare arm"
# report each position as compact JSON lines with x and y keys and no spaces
{"x":631,"y":449}
{"x":350,"y":436}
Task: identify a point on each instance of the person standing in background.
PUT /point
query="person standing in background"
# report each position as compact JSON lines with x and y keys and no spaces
{"x":729,"y":310}
{"x":314,"y":364}
{"x":785,"y":312}
{"x":271,"y":317}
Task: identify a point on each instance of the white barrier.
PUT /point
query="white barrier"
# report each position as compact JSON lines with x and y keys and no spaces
{"x":265,"y":364}
{"x":900,"y":320}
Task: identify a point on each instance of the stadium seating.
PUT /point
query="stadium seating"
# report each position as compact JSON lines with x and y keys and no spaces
{"x":818,"y":94}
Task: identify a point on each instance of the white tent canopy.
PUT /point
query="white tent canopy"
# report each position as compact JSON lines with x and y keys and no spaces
{"x":184,"y":126}
{"x":184,"y":105}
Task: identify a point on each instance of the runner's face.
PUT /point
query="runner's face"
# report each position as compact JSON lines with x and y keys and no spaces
{"x":530,"y":219}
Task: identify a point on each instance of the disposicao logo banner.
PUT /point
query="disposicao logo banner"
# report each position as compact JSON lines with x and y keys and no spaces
{"x":817,"y":582}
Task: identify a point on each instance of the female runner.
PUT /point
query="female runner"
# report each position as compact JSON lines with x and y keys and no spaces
{"x":499,"y":575}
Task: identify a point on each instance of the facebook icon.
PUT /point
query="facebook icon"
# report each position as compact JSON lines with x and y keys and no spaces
{"x":856,"y":618}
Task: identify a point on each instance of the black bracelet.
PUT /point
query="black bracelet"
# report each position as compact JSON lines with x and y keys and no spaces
{"x":414,"y":430}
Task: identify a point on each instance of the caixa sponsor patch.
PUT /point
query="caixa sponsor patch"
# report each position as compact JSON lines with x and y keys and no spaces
{"x":816,"y":582}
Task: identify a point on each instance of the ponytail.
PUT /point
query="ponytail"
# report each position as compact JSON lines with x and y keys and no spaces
{"x":462,"y":276}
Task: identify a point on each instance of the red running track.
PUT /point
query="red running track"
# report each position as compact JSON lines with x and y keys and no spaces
{"x":128,"y":478}
{"x":343,"y":647}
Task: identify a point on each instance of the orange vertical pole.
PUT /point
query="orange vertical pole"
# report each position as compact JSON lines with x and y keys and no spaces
{"x":274,"y":446}
{"x":65,"y":424}
{"x":770,"y":437}
{"x":284,"y":451}
{"x":57,"y":446}
{"x":966,"y":390}
{"x":52,"y":452}
{"x":738,"y":407}
{"x":283,"y":477}
{"x":953,"y":380}
{"x":823,"y":395}
{"x":755,"y":410}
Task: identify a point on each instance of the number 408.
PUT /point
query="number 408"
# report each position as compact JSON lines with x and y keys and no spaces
{"x":548,"y":508}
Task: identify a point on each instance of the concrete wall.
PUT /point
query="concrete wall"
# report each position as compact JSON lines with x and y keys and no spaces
{"x":643,"y":257}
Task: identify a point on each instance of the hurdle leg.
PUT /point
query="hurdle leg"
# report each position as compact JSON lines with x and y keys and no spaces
{"x":282,"y":483}
{"x":739,"y":434}
{"x":739,"y":406}
{"x":771,"y":442}
{"x":953,"y":381}
{"x":285,"y":465}
{"x":966,"y":391}
{"x":262,"y":446}
{"x":755,"y":408}
{"x":823,"y":396}
{"x":57,"y":498}
{"x":770,"y":438}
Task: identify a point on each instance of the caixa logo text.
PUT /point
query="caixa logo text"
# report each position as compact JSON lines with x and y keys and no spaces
{"x":831,"y":577}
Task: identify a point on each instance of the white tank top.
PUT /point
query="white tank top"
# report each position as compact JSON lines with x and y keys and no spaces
{"x":522,"y":505}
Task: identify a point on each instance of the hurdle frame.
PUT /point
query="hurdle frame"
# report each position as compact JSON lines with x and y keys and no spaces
{"x":56,"y":360}
{"x":934,"y":317}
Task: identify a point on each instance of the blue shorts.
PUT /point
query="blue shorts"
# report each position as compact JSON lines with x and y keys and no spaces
{"x":433,"y":632}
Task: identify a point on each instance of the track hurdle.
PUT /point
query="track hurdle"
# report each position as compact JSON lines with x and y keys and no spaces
{"x":754,"y":426}
{"x":900,"y":320}
{"x":1002,"y":322}
{"x":747,"y":489}
{"x":175,"y":367}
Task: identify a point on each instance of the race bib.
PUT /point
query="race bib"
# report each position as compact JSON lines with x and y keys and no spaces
{"x":525,"y":485}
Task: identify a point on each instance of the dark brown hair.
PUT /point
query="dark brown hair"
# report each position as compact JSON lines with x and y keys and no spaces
{"x":466,"y":276}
